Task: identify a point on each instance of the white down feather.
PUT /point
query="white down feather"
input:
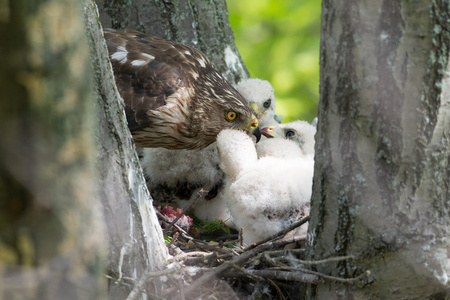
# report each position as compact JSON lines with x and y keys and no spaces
{"x":268,"y":194}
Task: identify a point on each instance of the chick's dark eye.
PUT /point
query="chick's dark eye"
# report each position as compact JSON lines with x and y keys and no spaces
{"x":290,"y":134}
{"x":267,"y":103}
{"x":231,"y":115}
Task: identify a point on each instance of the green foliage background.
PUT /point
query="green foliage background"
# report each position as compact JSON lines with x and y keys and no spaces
{"x":279,"y":42}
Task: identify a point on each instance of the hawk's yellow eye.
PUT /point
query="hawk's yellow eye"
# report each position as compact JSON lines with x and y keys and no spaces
{"x":231,"y":115}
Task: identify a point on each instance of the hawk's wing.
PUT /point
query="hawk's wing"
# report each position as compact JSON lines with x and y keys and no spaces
{"x":146,"y":71}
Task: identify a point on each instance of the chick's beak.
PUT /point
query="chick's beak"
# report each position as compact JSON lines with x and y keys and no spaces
{"x":267,"y":132}
{"x":255,"y":107}
{"x":254,"y":129}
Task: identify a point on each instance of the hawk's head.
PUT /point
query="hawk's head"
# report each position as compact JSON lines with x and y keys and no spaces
{"x":174,"y":98}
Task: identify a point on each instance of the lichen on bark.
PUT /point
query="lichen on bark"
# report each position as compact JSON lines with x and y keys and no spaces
{"x":381,"y":174}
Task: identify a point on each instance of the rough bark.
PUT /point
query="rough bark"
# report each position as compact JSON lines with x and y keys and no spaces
{"x":381,"y":183}
{"x":51,"y":225}
{"x":136,"y":241}
{"x":201,"y":24}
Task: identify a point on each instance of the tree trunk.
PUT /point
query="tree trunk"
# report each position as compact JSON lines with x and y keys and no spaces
{"x":381,"y":183}
{"x":51,"y":225}
{"x":201,"y":24}
{"x":136,"y":241}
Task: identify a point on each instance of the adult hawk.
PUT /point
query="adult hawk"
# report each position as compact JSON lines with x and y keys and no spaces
{"x":173,"y":96}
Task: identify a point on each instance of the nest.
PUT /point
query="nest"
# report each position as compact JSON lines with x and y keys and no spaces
{"x":222,"y":268}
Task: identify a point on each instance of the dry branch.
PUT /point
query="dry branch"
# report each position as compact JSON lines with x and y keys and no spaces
{"x":287,"y":275}
{"x":138,"y":288}
{"x":280,"y":233}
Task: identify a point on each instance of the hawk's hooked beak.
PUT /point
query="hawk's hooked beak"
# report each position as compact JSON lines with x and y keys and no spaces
{"x":254,"y":129}
{"x":267,"y":132}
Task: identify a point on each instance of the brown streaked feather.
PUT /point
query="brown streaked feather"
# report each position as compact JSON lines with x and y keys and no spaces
{"x":147,"y":87}
{"x":173,"y":96}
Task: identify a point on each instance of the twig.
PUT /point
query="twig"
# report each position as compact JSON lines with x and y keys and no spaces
{"x":174,"y":251}
{"x":244,"y":257}
{"x":280,"y":233}
{"x":122,"y":254}
{"x":283,"y":252}
{"x":184,"y":233}
{"x":205,"y":247}
{"x":174,"y":239}
{"x":246,"y":273}
{"x":268,"y":258}
{"x":186,"y":255}
{"x":276,"y":244}
{"x":199,"y":195}
{"x":166,"y":219}
{"x":137,"y":290}
{"x":280,"y":293}
{"x":234,"y":252}
{"x":227,"y":237}
{"x":118,"y":282}
{"x":339,"y":279}
{"x":231,"y":253}
{"x":288,"y":276}
{"x":217,"y":271}
{"x":284,"y":242}
{"x":314,"y":262}
{"x":327,"y":260}
{"x":160,"y":215}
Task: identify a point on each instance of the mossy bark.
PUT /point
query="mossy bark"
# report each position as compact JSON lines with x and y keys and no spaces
{"x":201,"y":24}
{"x":136,"y":241}
{"x":51,"y":226}
{"x":381,"y":183}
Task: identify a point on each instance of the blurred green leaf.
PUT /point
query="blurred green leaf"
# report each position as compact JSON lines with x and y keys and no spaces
{"x":279,"y":42}
{"x":167,"y":239}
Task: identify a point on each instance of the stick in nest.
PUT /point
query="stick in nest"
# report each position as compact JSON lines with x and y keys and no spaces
{"x":217,"y":271}
{"x":280,"y":233}
{"x":314,"y":262}
{"x":138,"y":288}
{"x":287,"y":275}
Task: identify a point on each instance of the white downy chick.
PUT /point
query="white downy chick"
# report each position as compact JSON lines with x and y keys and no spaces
{"x":301,"y":136}
{"x":177,"y":174}
{"x":300,"y":132}
{"x":264,"y":195}
{"x":260,"y":94}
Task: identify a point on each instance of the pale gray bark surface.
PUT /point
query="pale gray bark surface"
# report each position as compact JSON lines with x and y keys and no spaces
{"x":381,"y":184}
{"x":52,"y":243}
{"x":136,"y":241}
{"x":201,"y":24}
